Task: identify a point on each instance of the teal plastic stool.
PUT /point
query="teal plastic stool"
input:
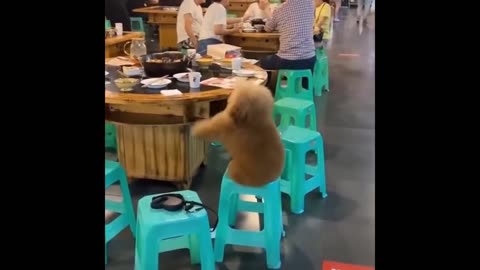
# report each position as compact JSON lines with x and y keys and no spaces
{"x":296,"y":109}
{"x":271,"y":207}
{"x":108,"y":24}
{"x":115,"y":173}
{"x":110,"y":136}
{"x":298,"y":141}
{"x":160,"y":231}
{"x":293,"y":86}
{"x":136,"y":24}
{"x":321,"y":76}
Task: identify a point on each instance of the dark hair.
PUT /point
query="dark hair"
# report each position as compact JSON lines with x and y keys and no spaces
{"x":327,"y":1}
{"x":216,"y":1}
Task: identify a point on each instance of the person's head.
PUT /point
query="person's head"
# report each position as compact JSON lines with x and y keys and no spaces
{"x":263,"y":2}
{"x":225,"y":3}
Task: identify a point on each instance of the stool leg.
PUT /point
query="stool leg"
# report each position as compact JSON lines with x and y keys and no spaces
{"x":297,"y":182}
{"x":232,"y":215}
{"x":105,"y":252}
{"x":313,"y":122}
{"x":222,"y":227}
{"x":272,"y":230}
{"x":206,"y":250}
{"x":127,"y":202}
{"x":194,"y":247}
{"x":327,"y":80}
{"x":321,"y":169}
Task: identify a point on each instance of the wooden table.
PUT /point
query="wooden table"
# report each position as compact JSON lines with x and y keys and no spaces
{"x":256,"y":42}
{"x":166,"y":18}
{"x":114,"y":45}
{"x":154,"y":131}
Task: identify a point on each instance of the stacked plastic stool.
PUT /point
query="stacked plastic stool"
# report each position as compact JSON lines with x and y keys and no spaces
{"x":159,"y":230}
{"x":298,"y":142}
{"x":230,"y":204}
{"x":110,"y":136}
{"x":320,"y":77}
{"x":293,"y":101}
{"x":115,"y":173}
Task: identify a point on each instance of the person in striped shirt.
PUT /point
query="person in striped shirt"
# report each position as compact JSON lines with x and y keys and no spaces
{"x":293,"y":20}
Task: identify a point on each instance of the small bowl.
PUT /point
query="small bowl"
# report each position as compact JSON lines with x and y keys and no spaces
{"x":204,"y":62}
{"x":126,"y":84}
{"x":259,"y":27}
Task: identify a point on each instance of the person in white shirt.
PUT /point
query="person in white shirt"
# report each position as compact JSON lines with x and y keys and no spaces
{"x":215,"y":25}
{"x":189,"y":22}
{"x":261,"y":10}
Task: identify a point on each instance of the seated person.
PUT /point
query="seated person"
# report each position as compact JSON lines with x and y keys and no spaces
{"x":189,"y":22}
{"x":214,"y":25}
{"x":259,"y":10}
{"x":293,"y":20}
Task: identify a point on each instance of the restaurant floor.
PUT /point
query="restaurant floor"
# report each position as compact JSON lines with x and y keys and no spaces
{"x":338,"y":228}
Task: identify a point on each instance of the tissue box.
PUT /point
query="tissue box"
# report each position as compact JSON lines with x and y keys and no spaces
{"x":220,"y":51}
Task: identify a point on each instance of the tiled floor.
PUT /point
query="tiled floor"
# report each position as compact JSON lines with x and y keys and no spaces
{"x":340,"y":227}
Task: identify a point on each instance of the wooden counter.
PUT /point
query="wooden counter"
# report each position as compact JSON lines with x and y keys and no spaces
{"x":258,"y":42}
{"x":114,"y":45}
{"x":153,"y":131}
{"x":167,"y":20}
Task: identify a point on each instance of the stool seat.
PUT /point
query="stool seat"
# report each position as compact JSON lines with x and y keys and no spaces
{"x":298,"y":135}
{"x":161,"y":217}
{"x":296,"y":109}
{"x":159,"y":230}
{"x":294,"y":85}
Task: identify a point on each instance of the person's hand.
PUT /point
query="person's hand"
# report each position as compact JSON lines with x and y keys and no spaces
{"x":195,"y":43}
{"x":236,"y":28}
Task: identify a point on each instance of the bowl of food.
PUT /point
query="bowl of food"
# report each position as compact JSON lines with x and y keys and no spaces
{"x":159,"y":64}
{"x":259,"y":27}
{"x":126,"y":84}
{"x":257,"y":21}
{"x":226,"y":62}
{"x":204,"y":62}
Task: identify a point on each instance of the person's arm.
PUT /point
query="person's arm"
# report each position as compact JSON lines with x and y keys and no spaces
{"x":189,"y":28}
{"x":234,"y":20}
{"x":271,"y":23}
{"x":220,"y":24}
{"x":221,"y":29}
{"x":249,"y":13}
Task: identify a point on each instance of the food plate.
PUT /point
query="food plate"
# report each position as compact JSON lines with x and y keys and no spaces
{"x":158,"y":84}
{"x":244,"y":73}
{"x":248,"y":30}
{"x":106,"y":73}
{"x":181,"y":77}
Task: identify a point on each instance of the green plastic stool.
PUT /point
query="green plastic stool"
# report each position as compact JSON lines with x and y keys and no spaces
{"x":110,"y":136}
{"x":321,"y":76}
{"x":108,"y":24}
{"x":136,"y":24}
{"x":115,"y":173}
{"x":297,"y":142}
{"x":160,"y":231}
{"x":271,"y":207}
{"x":296,"y":109}
{"x":232,"y":15}
{"x":293,"y":87}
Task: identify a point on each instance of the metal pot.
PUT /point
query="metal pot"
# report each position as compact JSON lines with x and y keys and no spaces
{"x":168,"y":63}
